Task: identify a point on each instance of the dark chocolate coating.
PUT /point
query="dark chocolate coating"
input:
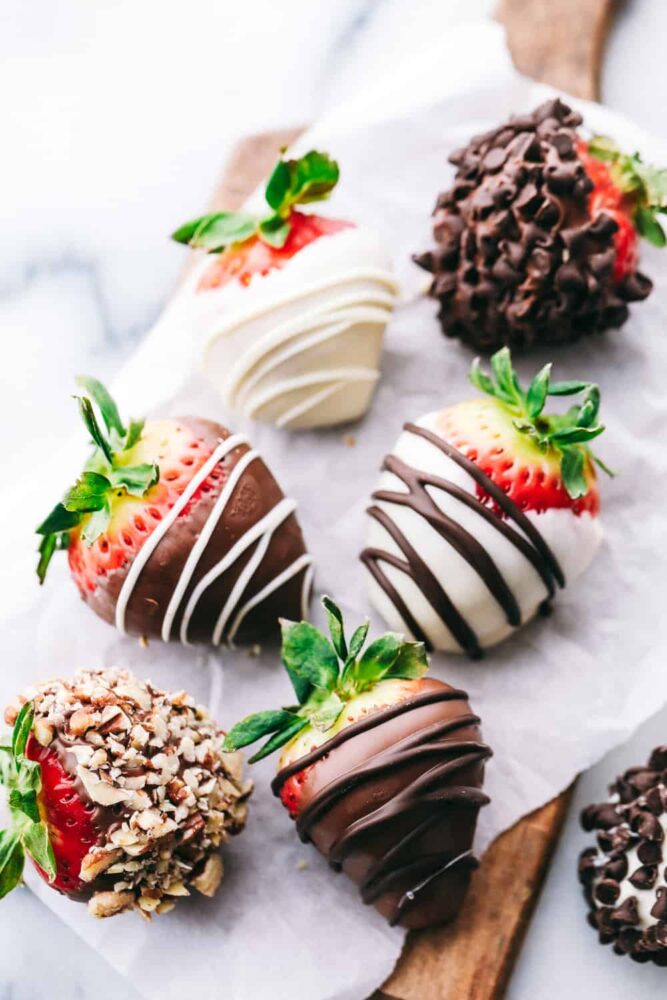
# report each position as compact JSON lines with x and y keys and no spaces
{"x":253,"y":497}
{"x":393,"y":802}
{"x":633,"y":821}
{"x":518,"y":260}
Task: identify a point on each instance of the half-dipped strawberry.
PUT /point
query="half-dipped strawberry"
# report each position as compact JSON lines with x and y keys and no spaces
{"x":289,"y":316}
{"x":537,"y":240}
{"x":381,"y":767}
{"x":119,"y":793}
{"x":483,"y":510}
{"x":176,"y":529}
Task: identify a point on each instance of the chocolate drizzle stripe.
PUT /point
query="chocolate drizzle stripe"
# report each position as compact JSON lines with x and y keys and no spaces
{"x":362,"y":726}
{"x":388,"y":761}
{"x":458,"y":537}
{"x":528,"y":540}
{"x":409,"y":802}
{"x":410,"y":897}
{"x":506,"y":504}
{"x":428,"y":583}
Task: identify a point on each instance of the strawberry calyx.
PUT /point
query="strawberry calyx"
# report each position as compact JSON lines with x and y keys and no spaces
{"x":326,"y":674}
{"x":107,"y":473}
{"x":642,"y":187}
{"x":566,"y":435}
{"x":29,"y":833}
{"x":292,"y":182}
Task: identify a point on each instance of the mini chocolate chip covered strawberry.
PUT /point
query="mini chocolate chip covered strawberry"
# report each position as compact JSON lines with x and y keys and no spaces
{"x":118,"y":792}
{"x":537,"y":240}
{"x":381,"y":767}
{"x":176,"y":529}
{"x":290,"y":314}
{"x":484,"y":509}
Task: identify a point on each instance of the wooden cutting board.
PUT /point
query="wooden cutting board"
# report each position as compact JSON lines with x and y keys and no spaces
{"x":558,"y":42}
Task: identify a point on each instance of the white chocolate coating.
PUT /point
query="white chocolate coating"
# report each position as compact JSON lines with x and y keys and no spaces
{"x":300,"y":346}
{"x":573,"y":539}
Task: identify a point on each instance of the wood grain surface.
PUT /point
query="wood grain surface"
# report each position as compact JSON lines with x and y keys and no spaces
{"x":558,"y":42}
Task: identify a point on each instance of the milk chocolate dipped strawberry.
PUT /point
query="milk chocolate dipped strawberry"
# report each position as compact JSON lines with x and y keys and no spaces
{"x":381,"y":767}
{"x":484,"y":510}
{"x":176,"y":529}
{"x":537,"y":239}
{"x":119,"y":793}
{"x":623,"y":874}
{"x":290,"y":315}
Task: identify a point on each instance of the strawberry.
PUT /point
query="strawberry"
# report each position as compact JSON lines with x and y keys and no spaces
{"x":381,"y":767}
{"x":485,"y":508}
{"x":241,"y":261}
{"x":539,"y":461}
{"x":98,"y":801}
{"x":70,"y":821}
{"x":248,"y":244}
{"x":537,"y":239}
{"x":200,"y":491}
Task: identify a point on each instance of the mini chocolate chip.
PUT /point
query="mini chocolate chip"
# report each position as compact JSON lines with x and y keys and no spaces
{"x":627,"y":912}
{"x":649,"y":852}
{"x":627,"y":939}
{"x":494,"y":159}
{"x":607,"y":891}
{"x":642,"y":779}
{"x":602,"y":227}
{"x":647,"y":826}
{"x":616,"y":868}
{"x":635,"y":287}
{"x":644,"y":877}
{"x":570,"y":278}
{"x":653,"y":801}
{"x":603,"y":814}
{"x":564,"y":144}
{"x":659,"y":908}
{"x":658,"y":759}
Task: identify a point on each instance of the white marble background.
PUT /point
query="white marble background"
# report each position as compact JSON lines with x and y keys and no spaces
{"x":115,"y":119}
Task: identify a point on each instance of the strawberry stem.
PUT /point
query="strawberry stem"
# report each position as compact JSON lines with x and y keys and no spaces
{"x":644,"y":185}
{"x":325,"y":675}
{"x":568,"y":434}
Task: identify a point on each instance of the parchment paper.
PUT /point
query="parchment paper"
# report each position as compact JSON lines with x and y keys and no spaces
{"x":553,"y":699}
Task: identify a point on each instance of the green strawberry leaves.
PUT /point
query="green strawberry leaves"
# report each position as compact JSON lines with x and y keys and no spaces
{"x":23,"y":779}
{"x":325,"y":675}
{"x":644,"y":185}
{"x":569,"y":433}
{"x":293,"y":182}
{"x":107,"y":474}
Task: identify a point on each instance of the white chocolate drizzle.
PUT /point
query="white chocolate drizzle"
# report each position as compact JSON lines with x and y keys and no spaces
{"x":262,"y":532}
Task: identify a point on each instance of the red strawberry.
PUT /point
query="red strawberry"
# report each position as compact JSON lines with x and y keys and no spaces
{"x":249,"y":244}
{"x":241,"y":261}
{"x":536,"y":241}
{"x":69,"y":820}
{"x":97,"y":800}
{"x":479,"y":514}
{"x":608,"y":197}
{"x":154,"y":514}
{"x":381,"y":767}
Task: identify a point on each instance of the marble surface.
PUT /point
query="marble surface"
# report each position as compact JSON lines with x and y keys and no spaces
{"x":116,"y":121}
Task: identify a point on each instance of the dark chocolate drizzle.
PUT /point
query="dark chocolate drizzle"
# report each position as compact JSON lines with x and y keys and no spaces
{"x":528,"y":541}
{"x":426,"y":798}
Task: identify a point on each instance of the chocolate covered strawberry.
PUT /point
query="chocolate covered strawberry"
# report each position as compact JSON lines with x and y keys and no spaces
{"x":290,"y":314}
{"x":484,"y":509}
{"x":176,"y":529}
{"x":381,"y":767}
{"x":118,"y":792}
{"x":537,"y":240}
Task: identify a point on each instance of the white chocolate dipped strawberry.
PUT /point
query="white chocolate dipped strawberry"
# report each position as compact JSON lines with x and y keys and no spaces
{"x":290,"y":316}
{"x":484,"y":510}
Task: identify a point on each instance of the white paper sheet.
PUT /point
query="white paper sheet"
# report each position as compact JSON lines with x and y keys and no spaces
{"x":553,"y":699}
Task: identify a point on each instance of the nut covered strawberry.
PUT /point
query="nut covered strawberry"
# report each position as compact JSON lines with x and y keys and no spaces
{"x":537,"y":240}
{"x":176,"y":529}
{"x":381,"y":767}
{"x":484,"y":510}
{"x":119,"y":793}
